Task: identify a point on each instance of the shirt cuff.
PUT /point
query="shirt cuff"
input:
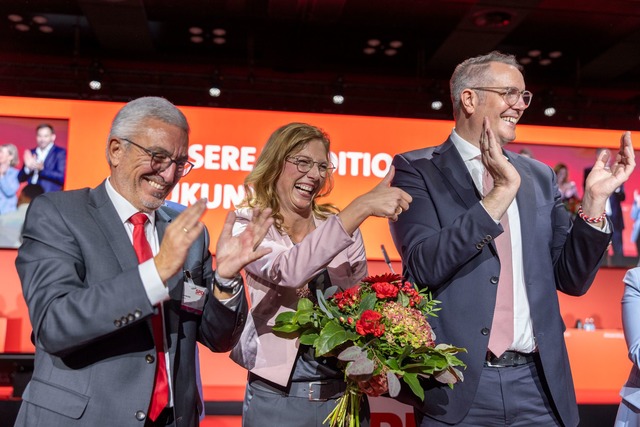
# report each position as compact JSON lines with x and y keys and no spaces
{"x":605,"y":229}
{"x":156,"y":291}
{"x":236,"y":282}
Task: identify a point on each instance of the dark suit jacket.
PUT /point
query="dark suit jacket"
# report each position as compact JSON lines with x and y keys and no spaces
{"x":91,"y":318}
{"x":51,"y":177}
{"x":446,"y":244}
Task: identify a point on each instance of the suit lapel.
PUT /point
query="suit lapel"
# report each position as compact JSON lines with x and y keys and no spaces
{"x":453,"y":171}
{"x":108,"y":221}
{"x":526,"y":199}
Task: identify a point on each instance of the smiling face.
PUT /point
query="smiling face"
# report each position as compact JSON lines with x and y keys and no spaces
{"x":44,"y":137}
{"x":131,"y":172}
{"x":502,"y":117}
{"x":296,"y":190}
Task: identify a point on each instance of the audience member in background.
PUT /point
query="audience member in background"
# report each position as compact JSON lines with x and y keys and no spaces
{"x":629,"y":409}
{"x":9,"y":183}
{"x":635,"y":216}
{"x":488,"y":235}
{"x":120,"y":288}
{"x":568,"y":189}
{"x":613,"y":210}
{"x":526,"y":153}
{"x":11,"y":223}
{"x":313,"y":246}
{"x":46,"y":164}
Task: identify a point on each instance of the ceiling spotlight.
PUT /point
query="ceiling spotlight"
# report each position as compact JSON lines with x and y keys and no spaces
{"x":550,"y":111}
{"x":545,"y":62}
{"x":95,"y":76}
{"x":195,"y":31}
{"x":369,"y":50}
{"x":436,"y":105}
{"x":338,"y":92}
{"x":216,"y":84}
{"x":39,"y":19}
{"x":196,"y":39}
{"x":525,"y":60}
{"x":14,"y":17}
{"x":396,"y":44}
{"x":219,"y":32}
{"x":219,"y":40}
{"x":390,"y":52}
{"x":534,"y":53}
{"x":555,"y":54}
{"x":373,"y":42}
{"x":45,"y":29}
{"x":22,"y":27}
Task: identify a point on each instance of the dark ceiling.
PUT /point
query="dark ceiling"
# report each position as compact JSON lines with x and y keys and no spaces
{"x":292,"y":55}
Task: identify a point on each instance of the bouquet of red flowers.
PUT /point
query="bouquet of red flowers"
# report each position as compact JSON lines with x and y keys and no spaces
{"x":379,"y":332}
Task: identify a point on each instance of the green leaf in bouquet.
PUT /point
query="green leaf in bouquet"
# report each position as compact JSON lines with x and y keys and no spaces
{"x":285,"y":317}
{"x":368,"y":302}
{"x":309,"y":337}
{"x":403,"y":299}
{"x":393,"y":384}
{"x":360,"y":369}
{"x":305,"y":304}
{"x":393,"y":364}
{"x":351,"y":353}
{"x":330,"y":291}
{"x":322,"y":304}
{"x":412,"y":381}
{"x":331,"y":336}
{"x":286,"y":328}
{"x":305,"y":318}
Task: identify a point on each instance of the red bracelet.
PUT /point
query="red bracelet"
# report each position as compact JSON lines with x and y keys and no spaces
{"x":591,"y":220}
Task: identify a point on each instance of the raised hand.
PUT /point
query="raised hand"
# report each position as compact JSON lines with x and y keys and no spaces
{"x":178,"y":238}
{"x":234,"y":252}
{"x":382,"y":201}
{"x":603,"y":180}
{"x":506,"y":179}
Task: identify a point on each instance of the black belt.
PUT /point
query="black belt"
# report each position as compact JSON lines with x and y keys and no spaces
{"x":319,"y":390}
{"x":509,"y":359}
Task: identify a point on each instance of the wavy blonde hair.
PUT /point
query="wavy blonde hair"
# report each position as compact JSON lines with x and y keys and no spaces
{"x":260,"y":184}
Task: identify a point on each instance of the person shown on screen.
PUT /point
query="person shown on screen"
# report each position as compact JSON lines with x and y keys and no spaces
{"x":488,"y":235}
{"x":11,"y":223}
{"x":9,"y":183}
{"x":629,"y":408}
{"x":568,"y":189}
{"x":119,"y":287}
{"x":313,"y":246}
{"x":46,"y":163}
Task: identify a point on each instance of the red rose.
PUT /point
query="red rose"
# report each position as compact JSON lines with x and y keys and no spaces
{"x":385,"y":290}
{"x":369,"y":323}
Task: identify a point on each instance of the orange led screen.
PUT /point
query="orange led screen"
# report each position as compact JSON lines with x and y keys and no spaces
{"x":224,"y":144}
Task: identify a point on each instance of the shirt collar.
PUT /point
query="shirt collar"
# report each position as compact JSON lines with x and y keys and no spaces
{"x":467,"y":150}
{"x":124,"y":208}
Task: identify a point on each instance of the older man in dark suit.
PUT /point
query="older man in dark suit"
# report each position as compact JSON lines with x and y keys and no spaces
{"x":119,"y":287}
{"x":488,"y":235}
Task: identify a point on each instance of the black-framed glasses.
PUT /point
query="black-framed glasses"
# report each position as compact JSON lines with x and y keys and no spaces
{"x":511,"y":95}
{"x":305,"y":164}
{"x":160,"y":162}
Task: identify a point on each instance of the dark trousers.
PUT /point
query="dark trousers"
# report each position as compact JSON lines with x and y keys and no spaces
{"x":513,"y":397}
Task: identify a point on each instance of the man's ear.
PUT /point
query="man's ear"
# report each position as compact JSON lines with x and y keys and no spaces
{"x":115,"y":151}
{"x":468,"y":101}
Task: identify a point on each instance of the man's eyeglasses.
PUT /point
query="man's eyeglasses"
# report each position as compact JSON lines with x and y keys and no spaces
{"x":305,"y":164}
{"x":511,"y":95}
{"x":160,"y":162}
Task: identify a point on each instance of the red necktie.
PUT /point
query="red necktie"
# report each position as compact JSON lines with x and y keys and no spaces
{"x":502,"y":327}
{"x":160,"y":397}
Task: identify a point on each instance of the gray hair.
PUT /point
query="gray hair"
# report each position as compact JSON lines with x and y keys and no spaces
{"x":13,"y":151}
{"x":472,"y":72}
{"x":132,"y":117}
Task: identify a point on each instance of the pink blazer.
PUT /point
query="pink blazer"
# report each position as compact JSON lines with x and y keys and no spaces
{"x":274,"y":279}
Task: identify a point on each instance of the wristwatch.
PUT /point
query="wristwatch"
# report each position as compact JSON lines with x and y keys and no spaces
{"x":230,"y":286}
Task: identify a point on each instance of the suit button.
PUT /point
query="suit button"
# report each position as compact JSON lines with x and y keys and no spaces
{"x":149,"y":358}
{"x":479,"y":246}
{"x":140,"y":415}
{"x":488,"y":237}
{"x":117,"y":323}
{"x":494,"y":280}
{"x":131,"y":317}
{"x":485,"y":331}
{"x":124,"y":320}
{"x":137,"y":314}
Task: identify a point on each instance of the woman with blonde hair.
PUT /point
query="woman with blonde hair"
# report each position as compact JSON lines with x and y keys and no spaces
{"x":8,"y":178}
{"x":314,"y":245}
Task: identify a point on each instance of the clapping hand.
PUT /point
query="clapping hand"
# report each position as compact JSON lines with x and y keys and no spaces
{"x":235,"y":252}
{"x":603,"y":180}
